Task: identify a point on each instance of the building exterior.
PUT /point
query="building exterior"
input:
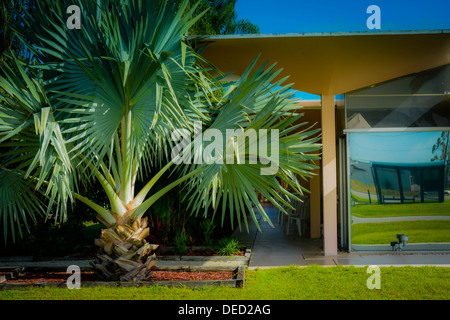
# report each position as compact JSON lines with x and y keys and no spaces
{"x":385,"y":167}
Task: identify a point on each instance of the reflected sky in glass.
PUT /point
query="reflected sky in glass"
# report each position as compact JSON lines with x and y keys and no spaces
{"x":397,"y":147}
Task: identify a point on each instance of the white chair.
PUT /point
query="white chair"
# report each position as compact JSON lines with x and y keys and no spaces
{"x":282,"y":217}
{"x":299,"y":214}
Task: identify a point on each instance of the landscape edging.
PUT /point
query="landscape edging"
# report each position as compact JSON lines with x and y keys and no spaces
{"x":238,"y":282}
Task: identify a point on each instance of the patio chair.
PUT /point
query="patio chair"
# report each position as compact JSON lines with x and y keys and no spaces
{"x":300,"y":214}
{"x":282,"y":217}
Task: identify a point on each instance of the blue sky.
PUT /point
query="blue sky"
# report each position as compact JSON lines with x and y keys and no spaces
{"x":298,"y":16}
{"x":398,"y":147}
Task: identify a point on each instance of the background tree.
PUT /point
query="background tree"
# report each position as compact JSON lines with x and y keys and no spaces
{"x":441,"y":149}
{"x":441,"y":152}
{"x":10,"y":11}
{"x":221,"y":18}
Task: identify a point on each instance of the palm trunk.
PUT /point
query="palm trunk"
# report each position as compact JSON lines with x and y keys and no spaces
{"x":124,"y":253}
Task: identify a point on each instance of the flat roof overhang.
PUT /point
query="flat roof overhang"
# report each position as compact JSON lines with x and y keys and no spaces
{"x":333,"y":63}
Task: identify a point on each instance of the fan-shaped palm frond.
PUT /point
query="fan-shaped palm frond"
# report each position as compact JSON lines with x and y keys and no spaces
{"x":262,"y":138}
{"x":35,"y":147}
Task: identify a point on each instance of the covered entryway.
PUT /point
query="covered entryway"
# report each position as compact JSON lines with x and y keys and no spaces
{"x":329,"y":65}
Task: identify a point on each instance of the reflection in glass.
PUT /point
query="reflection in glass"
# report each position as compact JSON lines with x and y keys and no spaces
{"x":404,"y":182}
{"x":416,"y":100}
{"x":399,"y":184}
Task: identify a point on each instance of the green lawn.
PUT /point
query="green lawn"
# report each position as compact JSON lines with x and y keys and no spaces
{"x":363,"y":200}
{"x":421,"y":231}
{"x":407,"y":209}
{"x":285,"y":283}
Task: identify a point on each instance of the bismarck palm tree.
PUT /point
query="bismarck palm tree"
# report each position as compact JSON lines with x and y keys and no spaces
{"x":105,"y":104}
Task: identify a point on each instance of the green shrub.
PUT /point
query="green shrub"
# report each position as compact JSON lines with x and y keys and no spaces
{"x":180,"y":242}
{"x":228,"y":246}
{"x":207,"y":228}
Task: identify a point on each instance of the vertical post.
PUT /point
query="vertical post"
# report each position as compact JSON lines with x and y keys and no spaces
{"x":400,"y":185}
{"x":441,"y":188}
{"x":329,"y":175}
{"x":314,"y":201}
{"x":377,"y":184}
{"x":422,"y":191}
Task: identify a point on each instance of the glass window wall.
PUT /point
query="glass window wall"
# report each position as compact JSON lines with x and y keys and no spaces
{"x":399,"y":184}
{"x":417,"y":100}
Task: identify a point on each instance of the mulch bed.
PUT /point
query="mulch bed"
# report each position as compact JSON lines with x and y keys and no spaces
{"x":52,"y":277}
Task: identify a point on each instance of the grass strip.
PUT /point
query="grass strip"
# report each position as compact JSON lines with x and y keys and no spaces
{"x":407,"y":209}
{"x":419,"y":231}
{"x":284,"y":283}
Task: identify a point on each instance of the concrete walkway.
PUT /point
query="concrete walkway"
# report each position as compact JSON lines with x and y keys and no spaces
{"x":273,"y":248}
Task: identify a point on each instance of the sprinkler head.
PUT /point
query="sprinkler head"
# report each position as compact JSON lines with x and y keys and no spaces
{"x":403,"y":239}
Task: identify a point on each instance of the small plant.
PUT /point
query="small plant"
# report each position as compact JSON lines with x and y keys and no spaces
{"x":191,"y":244}
{"x":158,"y":232}
{"x":180,"y":241}
{"x":207,"y":228}
{"x":228,"y":246}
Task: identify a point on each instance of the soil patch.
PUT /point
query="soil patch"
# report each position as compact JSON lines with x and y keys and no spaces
{"x":52,"y":277}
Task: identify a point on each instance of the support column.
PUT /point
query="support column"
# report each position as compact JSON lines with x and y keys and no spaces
{"x":329,"y":175}
{"x":314,"y":187}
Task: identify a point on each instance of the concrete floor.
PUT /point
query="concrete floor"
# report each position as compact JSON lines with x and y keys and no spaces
{"x":273,"y":248}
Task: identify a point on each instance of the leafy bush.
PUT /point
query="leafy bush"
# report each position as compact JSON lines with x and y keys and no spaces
{"x":207,"y":228}
{"x":180,"y":242}
{"x":228,"y":246}
{"x":50,"y":239}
